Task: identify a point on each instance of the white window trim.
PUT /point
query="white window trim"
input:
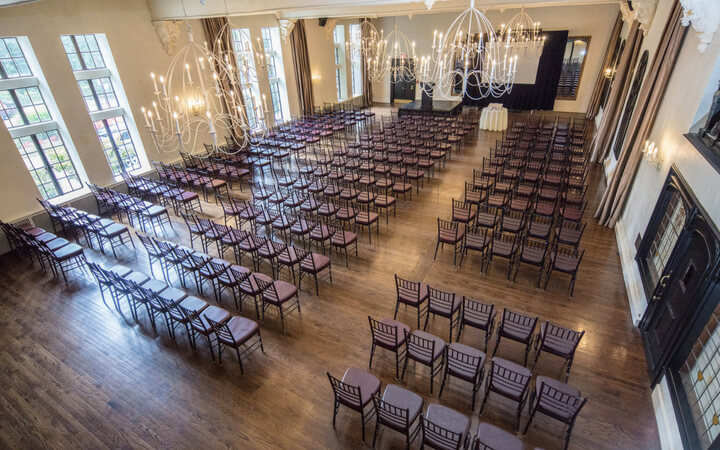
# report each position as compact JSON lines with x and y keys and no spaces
{"x":123,"y":109}
{"x":57,"y":123}
{"x":279,"y":75}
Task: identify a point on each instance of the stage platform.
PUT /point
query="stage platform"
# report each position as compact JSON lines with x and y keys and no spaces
{"x":439,"y":107}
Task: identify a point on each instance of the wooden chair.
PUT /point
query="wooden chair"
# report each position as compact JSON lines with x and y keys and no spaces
{"x":444,"y":428}
{"x":509,"y":380}
{"x":239,"y":333}
{"x":466,"y":363}
{"x":398,"y":409}
{"x":516,"y":327}
{"x":557,"y":400}
{"x":411,"y":293}
{"x":355,"y":390}
{"x":426,"y":349}
{"x":478,"y":315}
{"x":559,"y":341}
{"x":390,"y":335}
{"x":448,"y":233}
{"x":443,"y":304}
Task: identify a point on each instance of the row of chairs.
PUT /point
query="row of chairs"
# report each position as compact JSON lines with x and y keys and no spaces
{"x":441,"y":427}
{"x":45,"y":248}
{"x":139,"y":213}
{"x":222,"y":276}
{"x":177,"y":309}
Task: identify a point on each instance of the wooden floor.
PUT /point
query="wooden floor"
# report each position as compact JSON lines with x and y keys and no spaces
{"x":76,"y":374}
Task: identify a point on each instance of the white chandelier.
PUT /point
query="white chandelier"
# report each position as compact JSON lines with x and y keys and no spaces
{"x":469,"y":59}
{"x":200,"y":93}
{"x":390,"y":56}
{"x":523,"y":34}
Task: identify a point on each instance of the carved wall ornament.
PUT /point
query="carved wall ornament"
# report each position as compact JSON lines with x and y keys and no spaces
{"x":329,"y":28}
{"x":642,"y":10}
{"x":286,"y":27}
{"x":168,"y":32}
{"x":704,"y":16}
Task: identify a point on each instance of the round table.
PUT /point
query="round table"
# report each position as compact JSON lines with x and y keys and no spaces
{"x":494,"y":119}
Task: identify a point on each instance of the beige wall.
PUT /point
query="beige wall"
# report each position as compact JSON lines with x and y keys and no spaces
{"x":595,"y":21}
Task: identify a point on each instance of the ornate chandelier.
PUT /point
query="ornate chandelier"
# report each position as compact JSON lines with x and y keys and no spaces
{"x":200,"y":92}
{"x":469,"y":59}
{"x":387,"y":56}
{"x":523,"y":33}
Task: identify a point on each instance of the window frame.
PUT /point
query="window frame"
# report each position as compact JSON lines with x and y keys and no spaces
{"x":278,"y":96}
{"x":121,"y":108}
{"x":32,"y":131}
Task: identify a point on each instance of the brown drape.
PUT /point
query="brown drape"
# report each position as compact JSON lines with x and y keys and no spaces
{"x":212,"y":27}
{"x":367,"y":83}
{"x":594,"y":105}
{"x":649,"y":101}
{"x":618,"y":92}
{"x":303,"y":74}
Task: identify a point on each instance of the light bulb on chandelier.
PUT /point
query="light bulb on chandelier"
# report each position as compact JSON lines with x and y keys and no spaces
{"x":201,"y":79}
{"x":469,"y":59}
{"x":523,"y":34}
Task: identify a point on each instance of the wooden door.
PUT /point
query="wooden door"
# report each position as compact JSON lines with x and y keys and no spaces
{"x":401,"y":87}
{"x":679,"y":292}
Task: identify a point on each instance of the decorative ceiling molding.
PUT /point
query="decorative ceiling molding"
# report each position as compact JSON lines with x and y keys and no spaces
{"x":168,"y":32}
{"x":329,"y":28}
{"x":642,"y":10}
{"x":313,"y":9}
{"x":286,"y":27}
{"x":704,"y":16}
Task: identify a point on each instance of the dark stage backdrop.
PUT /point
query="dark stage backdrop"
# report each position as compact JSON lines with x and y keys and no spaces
{"x":540,"y":95}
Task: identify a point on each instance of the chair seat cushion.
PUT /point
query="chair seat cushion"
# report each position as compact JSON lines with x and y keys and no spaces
{"x":136,"y":277}
{"x":368,"y":383}
{"x":120,"y":270}
{"x":402,"y":398}
{"x":423,"y":356}
{"x":68,"y":251}
{"x":449,"y":419}
{"x":548,"y":404}
{"x":214,"y":313}
{"x":315,"y":262}
{"x":285,"y":291}
{"x":511,"y":388}
{"x":493,"y":437}
{"x":555,"y":344}
{"x":193,"y":303}
{"x":242,"y":329}
{"x":464,"y":371}
{"x":388,"y":341}
{"x":172,"y":294}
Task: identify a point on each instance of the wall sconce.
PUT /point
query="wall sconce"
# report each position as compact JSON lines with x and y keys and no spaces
{"x":652,"y":154}
{"x":608,"y":73}
{"x":316,"y":78}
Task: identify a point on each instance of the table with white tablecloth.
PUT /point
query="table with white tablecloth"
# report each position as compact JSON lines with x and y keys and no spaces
{"x":494,"y":117}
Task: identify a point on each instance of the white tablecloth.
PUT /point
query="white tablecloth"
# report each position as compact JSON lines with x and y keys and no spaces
{"x":494,"y":118}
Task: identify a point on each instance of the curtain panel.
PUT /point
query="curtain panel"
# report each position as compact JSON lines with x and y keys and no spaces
{"x":212,"y":27}
{"x":594,"y":105}
{"x":602,"y":141}
{"x":643,"y":118}
{"x":303,"y":74}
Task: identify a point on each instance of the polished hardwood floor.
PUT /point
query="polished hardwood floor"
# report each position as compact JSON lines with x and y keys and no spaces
{"x":76,"y":374}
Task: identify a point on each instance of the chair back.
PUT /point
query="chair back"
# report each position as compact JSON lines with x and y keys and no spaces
{"x":407,"y":288}
{"x":560,"y":405}
{"x":517,"y":321}
{"x":221,"y":329}
{"x":382,"y":332}
{"x":436,"y":436}
{"x":563,"y":336}
{"x":478,"y":311}
{"x":345,"y":394}
{"x":419,"y":348}
{"x":460,"y":362}
{"x":441,"y":300}
{"x":391,"y":415}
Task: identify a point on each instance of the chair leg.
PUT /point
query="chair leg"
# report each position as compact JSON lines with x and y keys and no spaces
{"x":372,"y":353}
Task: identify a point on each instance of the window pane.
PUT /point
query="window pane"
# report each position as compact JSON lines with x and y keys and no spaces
{"x":12,"y":59}
{"x":49,"y":164}
{"x":32,"y":104}
{"x":117,"y":145}
{"x":83,"y":52}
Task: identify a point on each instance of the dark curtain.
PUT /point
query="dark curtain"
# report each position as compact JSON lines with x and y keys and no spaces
{"x":540,"y":95}
{"x":212,"y":27}
{"x":643,"y":118}
{"x":303,"y":74}
{"x":601,"y":82}
{"x":367,"y":83}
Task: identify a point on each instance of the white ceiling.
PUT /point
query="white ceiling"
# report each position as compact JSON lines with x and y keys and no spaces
{"x":296,"y":9}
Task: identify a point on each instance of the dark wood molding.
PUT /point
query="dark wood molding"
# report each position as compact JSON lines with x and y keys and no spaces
{"x":711,"y":154}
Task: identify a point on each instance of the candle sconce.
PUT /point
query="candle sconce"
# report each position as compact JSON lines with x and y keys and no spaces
{"x":652,"y":154}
